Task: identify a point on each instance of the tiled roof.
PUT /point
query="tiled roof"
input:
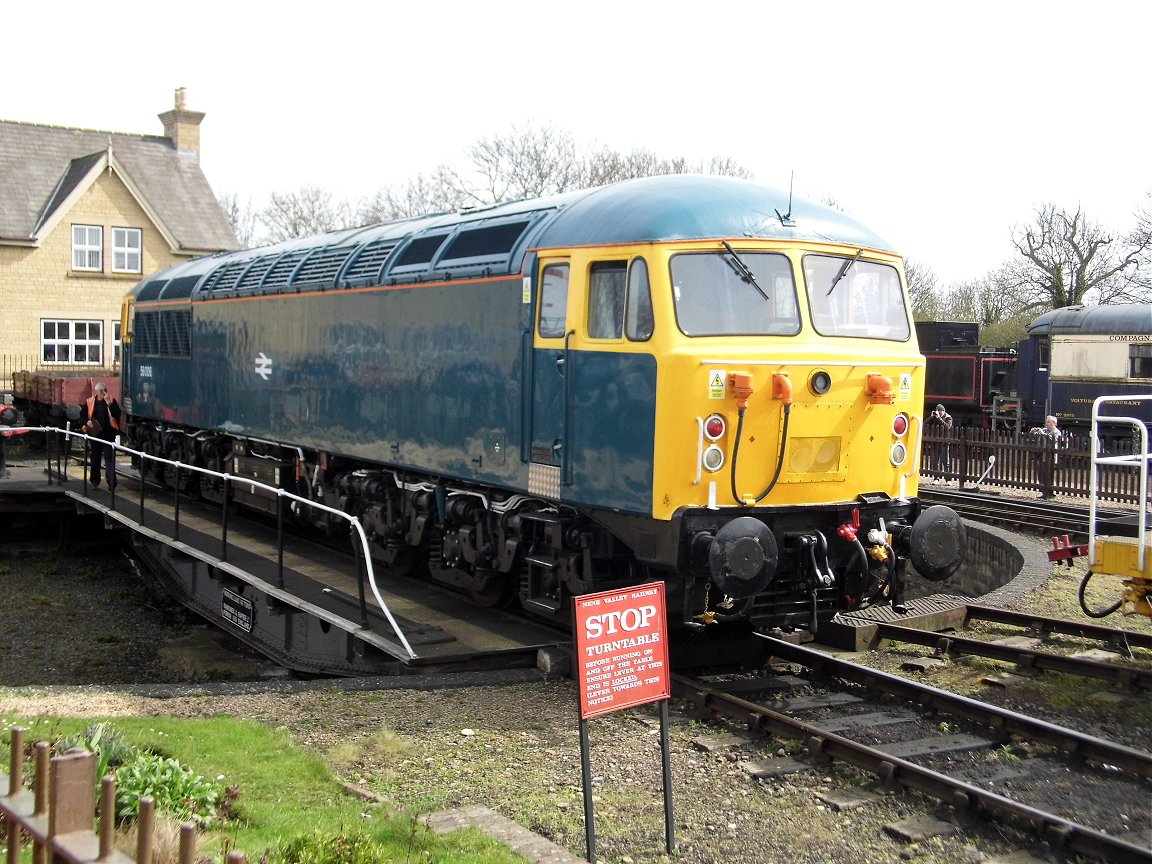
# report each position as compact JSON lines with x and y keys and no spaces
{"x":40,"y":165}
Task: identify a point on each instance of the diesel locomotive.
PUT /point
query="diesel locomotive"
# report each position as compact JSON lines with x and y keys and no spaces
{"x":685,"y":378}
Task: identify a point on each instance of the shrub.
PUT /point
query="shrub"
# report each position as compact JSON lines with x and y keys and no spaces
{"x":176,"y":789}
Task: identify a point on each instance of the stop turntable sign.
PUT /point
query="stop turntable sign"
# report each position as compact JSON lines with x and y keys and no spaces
{"x":621,"y":649}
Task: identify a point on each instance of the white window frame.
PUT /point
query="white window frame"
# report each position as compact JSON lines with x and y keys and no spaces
{"x":123,"y":248}
{"x":88,"y":248}
{"x":115,"y":343}
{"x":71,"y":342}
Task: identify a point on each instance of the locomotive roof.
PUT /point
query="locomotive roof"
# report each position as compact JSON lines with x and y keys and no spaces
{"x":1118,"y":318}
{"x":493,"y":241}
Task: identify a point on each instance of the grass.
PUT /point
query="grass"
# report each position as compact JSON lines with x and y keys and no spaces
{"x":285,"y":793}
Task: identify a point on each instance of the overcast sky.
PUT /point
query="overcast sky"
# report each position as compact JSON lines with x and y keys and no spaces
{"x":941,"y":126}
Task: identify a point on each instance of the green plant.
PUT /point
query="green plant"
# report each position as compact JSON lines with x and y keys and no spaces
{"x":945,"y":727}
{"x":1005,"y":753}
{"x":347,"y":847}
{"x":176,"y":789}
{"x":103,"y":739}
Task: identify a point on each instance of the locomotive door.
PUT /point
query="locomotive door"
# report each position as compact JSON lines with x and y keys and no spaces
{"x":550,"y":379}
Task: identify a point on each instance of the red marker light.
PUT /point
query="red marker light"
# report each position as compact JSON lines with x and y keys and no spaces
{"x":900,"y":425}
{"x":714,"y":427}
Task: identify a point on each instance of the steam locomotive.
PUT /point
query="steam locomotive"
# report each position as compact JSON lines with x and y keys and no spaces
{"x":685,"y":378}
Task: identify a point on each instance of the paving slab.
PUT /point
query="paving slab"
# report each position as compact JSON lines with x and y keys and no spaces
{"x":519,"y":839}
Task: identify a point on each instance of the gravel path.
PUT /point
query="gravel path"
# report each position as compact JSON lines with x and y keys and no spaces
{"x":511,"y":746}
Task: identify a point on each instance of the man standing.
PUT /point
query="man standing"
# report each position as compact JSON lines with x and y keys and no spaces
{"x":1050,"y":436}
{"x":100,"y":420}
{"x":940,"y":423}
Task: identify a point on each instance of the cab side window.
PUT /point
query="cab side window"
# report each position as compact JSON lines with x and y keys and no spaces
{"x":638,"y":323}
{"x":606,"y":286}
{"x":553,"y":301}
{"x":619,"y":300}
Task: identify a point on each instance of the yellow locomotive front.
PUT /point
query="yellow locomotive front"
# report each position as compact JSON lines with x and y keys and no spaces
{"x":741,"y":411}
{"x":787,"y":430}
{"x":796,"y":373}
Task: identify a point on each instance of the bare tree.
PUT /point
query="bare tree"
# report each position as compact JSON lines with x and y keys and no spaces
{"x":308,"y":210}
{"x":1141,"y":238}
{"x":922,"y":290}
{"x":1065,"y":259}
{"x":524,"y":163}
{"x":241,"y":217}
{"x":439,"y":192}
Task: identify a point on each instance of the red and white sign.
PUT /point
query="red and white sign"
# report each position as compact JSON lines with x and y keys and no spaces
{"x":621,"y":649}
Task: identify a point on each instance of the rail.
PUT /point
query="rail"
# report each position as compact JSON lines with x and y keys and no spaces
{"x":366,"y":571}
{"x":1137,"y":460}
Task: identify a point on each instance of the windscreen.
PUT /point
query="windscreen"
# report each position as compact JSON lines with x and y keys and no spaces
{"x":734,"y":293}
{"x":851,"y":297}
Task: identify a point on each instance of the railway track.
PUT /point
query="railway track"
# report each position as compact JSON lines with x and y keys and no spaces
{"x":1118,"y":668}
{"x":1063,"y":789}
{"x":1023,"y":514}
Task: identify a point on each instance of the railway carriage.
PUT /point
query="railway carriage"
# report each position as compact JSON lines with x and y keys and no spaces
{"x":690,"y":379}
{"x":1076,"y":354}
{"x":1071,"y":356}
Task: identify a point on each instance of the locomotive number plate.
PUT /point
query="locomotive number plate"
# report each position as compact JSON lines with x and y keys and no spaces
{"x":237,"y":610}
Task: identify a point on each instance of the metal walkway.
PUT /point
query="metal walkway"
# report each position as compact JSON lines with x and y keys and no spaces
{"x":311,"y":609}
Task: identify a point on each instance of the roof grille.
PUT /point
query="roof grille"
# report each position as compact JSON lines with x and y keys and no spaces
{"x":225,"y":278}
{"x":282,"y":269}
{"x":370,"y":260}
{"x":255,"y":273}
{"x":323,"y":265}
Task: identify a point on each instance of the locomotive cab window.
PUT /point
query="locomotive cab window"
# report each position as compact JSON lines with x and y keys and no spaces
{"x":638,"y":318}
{"x":734,"y":293}
{"x":553,"y":301}
{"x":848,"y":296}
{"x":619,"y":300}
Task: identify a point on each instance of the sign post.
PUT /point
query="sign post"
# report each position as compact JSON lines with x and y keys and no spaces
{"x":622,"y":662}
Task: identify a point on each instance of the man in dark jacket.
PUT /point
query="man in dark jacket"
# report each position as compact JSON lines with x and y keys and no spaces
{"x":100,"y":419}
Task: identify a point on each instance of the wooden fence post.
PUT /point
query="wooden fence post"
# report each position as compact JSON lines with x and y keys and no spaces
{"x":58,"y":814}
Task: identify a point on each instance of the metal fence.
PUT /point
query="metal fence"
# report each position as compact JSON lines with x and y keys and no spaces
{"x":981,"y":457}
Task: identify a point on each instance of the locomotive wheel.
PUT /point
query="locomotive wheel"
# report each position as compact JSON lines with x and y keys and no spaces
{"x":495,"y":591}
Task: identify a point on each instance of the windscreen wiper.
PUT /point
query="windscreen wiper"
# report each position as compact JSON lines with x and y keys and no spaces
{"x":843,"y":270}
{"x":742,"y":269}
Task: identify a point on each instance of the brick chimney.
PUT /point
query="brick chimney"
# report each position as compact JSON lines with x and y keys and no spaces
{"x":183,"y":126}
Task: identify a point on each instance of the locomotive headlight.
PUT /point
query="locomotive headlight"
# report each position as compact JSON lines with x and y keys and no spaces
{"x":900,"y":425}
{"x":819,"y":382}
{"x":713,"y":458}
{"x":714,"y":427}
{"x":898,"y":454}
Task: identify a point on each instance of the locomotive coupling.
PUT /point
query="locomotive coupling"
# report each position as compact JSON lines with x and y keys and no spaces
{"x":743,"y":557}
